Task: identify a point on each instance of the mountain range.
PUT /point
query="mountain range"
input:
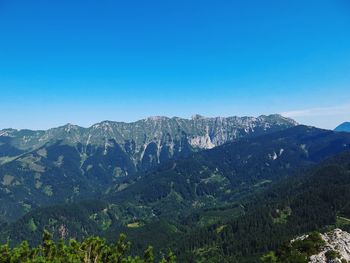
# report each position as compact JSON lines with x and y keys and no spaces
{"x":71,"y":163}
{"x":211,"y":189}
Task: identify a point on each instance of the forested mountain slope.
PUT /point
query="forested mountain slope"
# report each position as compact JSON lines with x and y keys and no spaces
{"x":70,"y":163}
{"x":318,"y":200}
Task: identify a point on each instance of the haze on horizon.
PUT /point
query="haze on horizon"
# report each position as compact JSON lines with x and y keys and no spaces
{"x":83,"y":62}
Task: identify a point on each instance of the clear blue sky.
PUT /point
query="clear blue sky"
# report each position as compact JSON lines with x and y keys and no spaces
{"x":87,"y":61}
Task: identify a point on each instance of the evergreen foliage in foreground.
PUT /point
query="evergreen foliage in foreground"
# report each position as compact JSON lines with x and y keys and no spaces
{"x":90,"y":250}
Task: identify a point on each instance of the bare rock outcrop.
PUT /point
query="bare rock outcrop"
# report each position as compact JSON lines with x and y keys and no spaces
{"x":336,"y":248}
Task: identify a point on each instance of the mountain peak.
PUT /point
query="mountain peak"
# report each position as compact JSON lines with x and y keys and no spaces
{"x":277,"y":116}
{"x":157,"y":118}
{"x":197,"y":117}
{"x":69,"y":127}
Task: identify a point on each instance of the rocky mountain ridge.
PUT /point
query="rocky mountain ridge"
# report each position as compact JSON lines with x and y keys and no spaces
{"x":71,"y":162}
{"x":164,"y":137}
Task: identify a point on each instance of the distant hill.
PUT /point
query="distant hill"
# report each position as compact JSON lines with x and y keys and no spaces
{"x":344,"y":127}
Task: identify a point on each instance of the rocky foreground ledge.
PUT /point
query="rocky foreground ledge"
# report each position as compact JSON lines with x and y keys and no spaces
{"x":336,"y":248}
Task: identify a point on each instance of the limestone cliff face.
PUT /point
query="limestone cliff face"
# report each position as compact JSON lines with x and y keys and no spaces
{"x":146,"y":142}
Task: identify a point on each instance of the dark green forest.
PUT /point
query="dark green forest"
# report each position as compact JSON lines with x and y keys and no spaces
{"x":304,"y":203}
